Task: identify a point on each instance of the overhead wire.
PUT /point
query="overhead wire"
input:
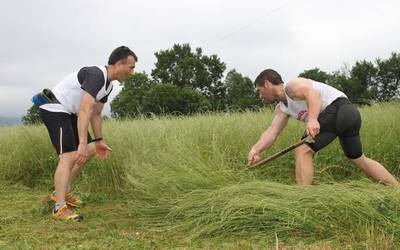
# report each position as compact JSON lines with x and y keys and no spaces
{"x":248,"y":24}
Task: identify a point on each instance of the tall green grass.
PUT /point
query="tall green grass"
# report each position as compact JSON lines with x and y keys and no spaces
{"x":187,"y":175}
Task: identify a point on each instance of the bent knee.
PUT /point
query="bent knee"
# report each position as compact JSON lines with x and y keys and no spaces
{"x":353,"y":156}
{"x":67,"y":159}
{"x":304,"y":150}
{"x":359,"y":160}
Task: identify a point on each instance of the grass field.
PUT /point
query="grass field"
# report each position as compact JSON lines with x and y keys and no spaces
{"x":181,"y":183}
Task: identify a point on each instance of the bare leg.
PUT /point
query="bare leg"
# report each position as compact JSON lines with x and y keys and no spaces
{"x":78,"y":168}
{"x":304,"y":165}
{"x":375,"y":170}
{"x":62,"y":174}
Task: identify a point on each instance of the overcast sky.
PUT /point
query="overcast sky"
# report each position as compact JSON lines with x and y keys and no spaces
{"x":44,"y":40}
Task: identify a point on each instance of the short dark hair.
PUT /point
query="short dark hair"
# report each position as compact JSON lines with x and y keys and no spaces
{"x":270,"y":75}
{"x":122,"y":52}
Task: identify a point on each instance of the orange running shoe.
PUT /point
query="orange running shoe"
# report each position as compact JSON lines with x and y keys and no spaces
{"x":65,"y":214}
{"x":70,"y":199}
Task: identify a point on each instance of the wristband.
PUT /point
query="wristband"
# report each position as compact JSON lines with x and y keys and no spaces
{"x":98,"y":139}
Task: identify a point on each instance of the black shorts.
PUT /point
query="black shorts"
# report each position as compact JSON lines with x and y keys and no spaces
{"x":63,"y":130}
{"x":340,"y":119}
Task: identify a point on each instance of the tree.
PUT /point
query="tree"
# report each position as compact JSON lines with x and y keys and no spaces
{"x":388,"y":77}
{"x":240,"y":92}
{"x":363,"y":76}
{"x":354,"y":82}
{"x":32,"y":116}
{"x":171,"y":99}
{"x":316,"y":74}
{"x":128,"y":103}
{"x":184,"y":68}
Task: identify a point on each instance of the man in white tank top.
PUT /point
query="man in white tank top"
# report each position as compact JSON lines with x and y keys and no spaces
{"x":76,"y":102}
{"x":328,"y":114}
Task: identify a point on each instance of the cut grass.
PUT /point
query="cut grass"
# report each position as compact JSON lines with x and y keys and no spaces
{"x":110,"y":224}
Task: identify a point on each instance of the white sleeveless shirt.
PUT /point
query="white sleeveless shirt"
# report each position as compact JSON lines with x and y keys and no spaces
{"x":299,"y":109}
{"x":69,"y":93}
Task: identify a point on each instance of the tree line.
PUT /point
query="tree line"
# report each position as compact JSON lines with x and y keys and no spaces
{"x":185,"y":81}
{"x":366,"y":81}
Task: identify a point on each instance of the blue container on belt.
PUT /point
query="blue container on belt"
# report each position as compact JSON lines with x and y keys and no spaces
{"x":40,"y":99}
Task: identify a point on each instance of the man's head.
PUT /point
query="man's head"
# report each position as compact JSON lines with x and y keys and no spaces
{"x":266,"y":83}
{"x":123,"y":61}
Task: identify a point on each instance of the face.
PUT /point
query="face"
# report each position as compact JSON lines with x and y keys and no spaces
{"x":265,"y":92}
{"x":125,"y":68}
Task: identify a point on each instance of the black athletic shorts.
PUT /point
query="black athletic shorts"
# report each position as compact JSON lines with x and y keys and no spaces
{"x":63,"y":130}
{"x":339,"y":119}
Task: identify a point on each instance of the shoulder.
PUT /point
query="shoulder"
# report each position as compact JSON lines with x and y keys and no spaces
{"x":297,"y":87}
{"x":92,"y":75}
{"x":299,"y":83}
{"x":91,"y":70}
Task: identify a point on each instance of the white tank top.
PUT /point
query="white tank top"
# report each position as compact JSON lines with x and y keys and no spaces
{"x":299,"y":109}
{"x":69,"y":93}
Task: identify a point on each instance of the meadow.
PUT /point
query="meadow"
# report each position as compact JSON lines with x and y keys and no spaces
{"x":181,"y":183}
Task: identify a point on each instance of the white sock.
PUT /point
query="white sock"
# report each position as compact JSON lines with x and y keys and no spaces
{"x":59,"y":205}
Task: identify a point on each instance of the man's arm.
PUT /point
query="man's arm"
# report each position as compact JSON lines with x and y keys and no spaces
{"x":96,"y":120}
{"x":302,"y":89}
{"x":269,"y":136}
{"x":102,"y":149}
{"x":85,"y":111}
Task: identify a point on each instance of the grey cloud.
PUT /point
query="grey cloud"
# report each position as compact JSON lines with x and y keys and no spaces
{"x":44,"y":40}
